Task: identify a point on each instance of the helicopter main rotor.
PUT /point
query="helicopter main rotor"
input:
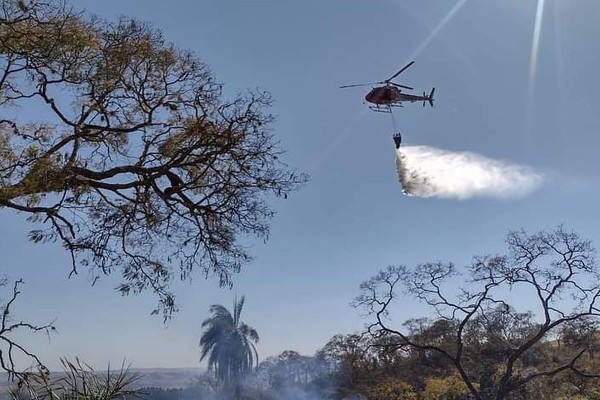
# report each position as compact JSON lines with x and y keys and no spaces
{"x":401,"y":71}
{"x":387,"y":81}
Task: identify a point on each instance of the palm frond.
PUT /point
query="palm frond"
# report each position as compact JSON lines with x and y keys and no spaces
{"x":227,"y":343}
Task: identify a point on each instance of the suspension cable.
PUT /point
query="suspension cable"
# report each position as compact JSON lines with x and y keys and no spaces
{"x":393,"y":122}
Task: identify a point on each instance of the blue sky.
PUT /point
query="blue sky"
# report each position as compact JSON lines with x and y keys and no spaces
{"x":351,"y":219}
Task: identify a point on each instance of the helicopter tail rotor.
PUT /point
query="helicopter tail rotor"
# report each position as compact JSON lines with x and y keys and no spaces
{"x":431,"y":97}
{"x":428,"y":98}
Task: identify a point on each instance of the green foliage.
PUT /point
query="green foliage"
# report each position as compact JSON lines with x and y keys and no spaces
{"x":354,"y":361}
{"x":392,"y":390}
{"x":377,"y":370}
{"x":498,"y":352}
{"x":450,"y":387}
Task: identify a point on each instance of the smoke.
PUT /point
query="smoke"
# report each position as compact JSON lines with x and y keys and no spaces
{"x":429,"y":172}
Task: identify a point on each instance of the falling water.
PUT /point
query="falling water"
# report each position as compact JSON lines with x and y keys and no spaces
{"x":429,"y":172}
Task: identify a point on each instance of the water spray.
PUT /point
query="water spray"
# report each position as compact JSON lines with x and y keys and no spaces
{"x":429,"y":172}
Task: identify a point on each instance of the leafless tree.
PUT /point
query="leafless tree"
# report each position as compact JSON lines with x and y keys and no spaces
{"x":123,"y":147}
{"x":12,"y":350}
{"x":475,"y":329}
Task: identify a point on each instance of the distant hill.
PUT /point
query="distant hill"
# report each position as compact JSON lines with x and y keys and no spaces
{"x":166,"y":378}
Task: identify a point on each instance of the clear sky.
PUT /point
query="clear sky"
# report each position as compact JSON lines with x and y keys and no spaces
{"x":502,"y":91}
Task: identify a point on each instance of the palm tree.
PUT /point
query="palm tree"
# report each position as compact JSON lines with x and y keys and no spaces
{"x":228,"y":344}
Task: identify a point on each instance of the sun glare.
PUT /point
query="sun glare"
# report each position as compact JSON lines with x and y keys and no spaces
{"x":537,"y":29}
{"x":437,"y":29}
{"x":535,"y":47}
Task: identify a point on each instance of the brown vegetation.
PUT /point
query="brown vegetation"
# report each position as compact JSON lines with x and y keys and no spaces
{"x":130,"y":156}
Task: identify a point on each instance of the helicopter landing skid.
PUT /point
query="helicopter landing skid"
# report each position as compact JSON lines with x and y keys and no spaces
{"x":386,"y":109}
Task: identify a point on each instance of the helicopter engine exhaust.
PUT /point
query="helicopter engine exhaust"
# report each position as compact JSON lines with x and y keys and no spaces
{"x":429,"y":172}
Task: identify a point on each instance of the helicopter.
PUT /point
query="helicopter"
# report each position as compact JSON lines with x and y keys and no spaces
{"x":390,"y":95}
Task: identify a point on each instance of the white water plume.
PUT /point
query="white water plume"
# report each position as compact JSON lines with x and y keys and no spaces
{"x":429,"y":172}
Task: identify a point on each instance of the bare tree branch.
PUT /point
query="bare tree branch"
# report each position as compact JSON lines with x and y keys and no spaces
{"x":10,"y":349}
{"x":143,"y":167}
{"x":475,"y":325}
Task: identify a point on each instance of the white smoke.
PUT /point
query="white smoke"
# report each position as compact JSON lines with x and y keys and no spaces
{"x":429,"y":172}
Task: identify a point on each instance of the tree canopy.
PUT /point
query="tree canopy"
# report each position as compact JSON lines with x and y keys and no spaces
{"x":123,"y":148}
{"x":496,"y":350}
